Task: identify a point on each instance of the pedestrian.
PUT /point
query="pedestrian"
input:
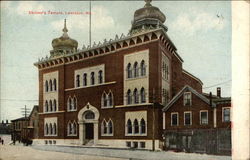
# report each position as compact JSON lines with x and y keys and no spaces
{"x":2,"y":141}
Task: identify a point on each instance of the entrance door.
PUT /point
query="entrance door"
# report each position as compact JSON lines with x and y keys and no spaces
{"x":186,"y":141}
{"x":89,"y":131}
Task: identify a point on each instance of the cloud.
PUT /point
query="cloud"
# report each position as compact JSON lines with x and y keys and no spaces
{"x":101,"y":19}
{"x":196,"y":22}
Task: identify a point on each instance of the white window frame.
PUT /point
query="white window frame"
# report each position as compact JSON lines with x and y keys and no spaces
{"x":223,"y":108}
{"x":201,"y":119}
{"x":185,"y":93}
{"x":102,"y":128}
{"x":172,"y":113}
{"x":190,"y":118}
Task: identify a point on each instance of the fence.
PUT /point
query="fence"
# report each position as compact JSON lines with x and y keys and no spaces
{"x":210,"y":141}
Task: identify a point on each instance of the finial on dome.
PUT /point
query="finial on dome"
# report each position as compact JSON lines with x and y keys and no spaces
{"x":65,"y":27}
{"x":65,"y":30}
{"x":147,"y":3}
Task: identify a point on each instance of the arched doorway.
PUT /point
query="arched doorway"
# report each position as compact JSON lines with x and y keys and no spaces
{"x":89,"y":127}
{"x":88,"y":124}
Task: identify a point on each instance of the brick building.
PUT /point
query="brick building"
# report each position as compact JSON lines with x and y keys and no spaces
{"x":112,"y":93}
{"x":196,"y":122}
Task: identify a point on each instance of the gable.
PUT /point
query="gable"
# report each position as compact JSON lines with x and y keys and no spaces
{"x":179,"y":97}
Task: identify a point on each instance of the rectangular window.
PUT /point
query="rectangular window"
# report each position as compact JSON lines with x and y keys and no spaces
{"x":174,"y":119}
{"x":135,"y":144}
{"x":187,"y":99}
{"x":187,"y":118}
{"x":226,"y":114}
{"x":128,"y":144}
{"x":203,"y":117}
{"x":142,"y":144}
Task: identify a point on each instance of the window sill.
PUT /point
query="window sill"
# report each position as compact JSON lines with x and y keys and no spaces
{"x":133,"y":105}
{"x":52,"y":112}
{"x":89,"y":86}
{"x":50,"y":92}
{"x":72,"y":135}
{"x":135,"y":78}
{"x":107,"y":135}
{"x":131,"y":135}
{"x":108,"y":107}
{"x":72,"y":110}
{"x":50,"y":135}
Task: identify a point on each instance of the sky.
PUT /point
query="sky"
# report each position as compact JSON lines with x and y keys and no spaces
{"x":201,"y":31}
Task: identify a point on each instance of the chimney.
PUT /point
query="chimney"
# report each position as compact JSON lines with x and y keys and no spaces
{"x":218,"y":92}
{"x":210,"y":98}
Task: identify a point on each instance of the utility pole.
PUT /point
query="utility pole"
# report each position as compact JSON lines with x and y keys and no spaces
{"x":153,"y":139}
{"x":25,"y":111}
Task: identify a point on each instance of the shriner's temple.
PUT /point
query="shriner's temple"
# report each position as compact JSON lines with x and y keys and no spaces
{"x":130,"y":91}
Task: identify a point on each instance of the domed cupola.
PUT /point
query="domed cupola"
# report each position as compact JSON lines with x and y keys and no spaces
{"x":64,"y":44}
{"x":148,"y":17}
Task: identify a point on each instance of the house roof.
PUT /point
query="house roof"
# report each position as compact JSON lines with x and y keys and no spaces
{"x":35,"y":108}
{"x":185,"y":89}
{"x":192,"y":76}
{"x":20,"y":119}
{"x":218,"y":100}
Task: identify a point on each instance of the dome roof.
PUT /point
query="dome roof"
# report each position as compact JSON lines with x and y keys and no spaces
{"x":149,"y":11}
{"x":64,"y":42}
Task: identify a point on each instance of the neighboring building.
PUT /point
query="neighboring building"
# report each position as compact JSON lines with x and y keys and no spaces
{"x":33,"y":123}
{"x":18,"y":129}
{"x":198,"y":122}
{"x":112,"y":93}
{"x":26,"y":128}
{"x":5,"y":127}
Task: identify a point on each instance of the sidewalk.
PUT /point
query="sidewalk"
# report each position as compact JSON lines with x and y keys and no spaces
{"x":130,"y":154}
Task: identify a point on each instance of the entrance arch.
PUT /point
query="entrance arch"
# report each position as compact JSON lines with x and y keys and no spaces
{"x":88,"y":118}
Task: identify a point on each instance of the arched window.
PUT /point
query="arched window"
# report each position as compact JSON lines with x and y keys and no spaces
{"x":55,"y":87}
{"x":46,"y":129}
{"x":69,"y":103}
{"x":143,"y":126}
{"x":85,"y":79}
{"x":50,"y":85}
{"x":136,"y":70}
{"x":129,"y":71}
{"x":110,"y":99}
{"x":104,"y":126}
{"x":74,"y":103}
{"x":55,"y":107}
{"x":92,"y":78}
{"x":74,"y":128}
{"x":50,"y":106}
{"x":46,"y":86}
{"x":143,"y":96}
{"x":104,"y":100}
{"x":129,"y":97}
{"x":129,"y":126}
{"x":110,"y":127}
{"x":136,"y":126}
{"x":50,"y":129}
{"x":70,"y":129}
{"x":46,"y":106}
{"x":54,"y":129}
{"x":89,"y":115}
{"x":100,"y":77}
{"x":136,"y":97}
{"x":143,"y":68}
{"x":77,"y":80}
